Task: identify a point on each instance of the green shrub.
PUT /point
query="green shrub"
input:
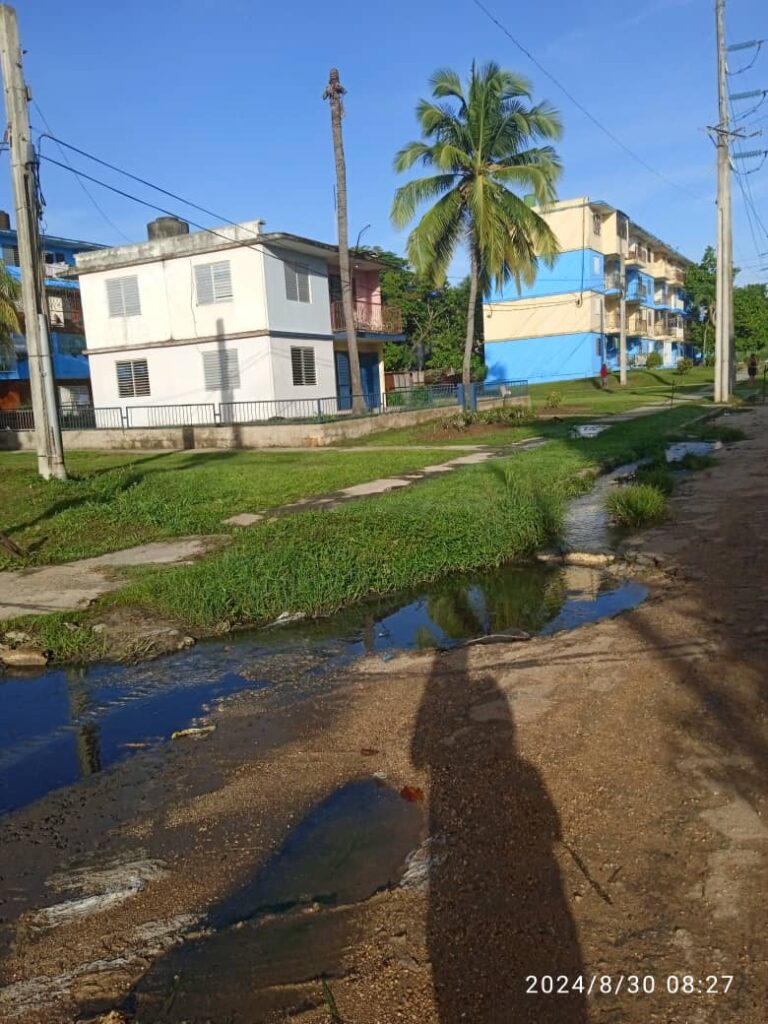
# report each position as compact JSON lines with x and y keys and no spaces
{"x":507,"y":415}
{"x":657,"y":475}
{"x":637,"y":505}
{"x":554,"y":399}
{"x":684,"y":365}
{"x":694,"y":461}
{"x":654,"y":361}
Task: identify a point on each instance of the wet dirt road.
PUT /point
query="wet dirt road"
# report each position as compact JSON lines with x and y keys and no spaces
{"x":586,"y":806}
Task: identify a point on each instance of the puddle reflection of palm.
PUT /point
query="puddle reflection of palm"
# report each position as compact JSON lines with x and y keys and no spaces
{"x":497,"y":909}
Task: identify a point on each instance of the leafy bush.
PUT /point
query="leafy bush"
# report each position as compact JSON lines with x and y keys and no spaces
{"x":684,"y":365}
{"x":657,"y":475}
{"x":694,"y":461}
{"x":637,"y":505}
{"x":654,"y":361}
{"x":554,"y":399}
{"x":508,"y":415}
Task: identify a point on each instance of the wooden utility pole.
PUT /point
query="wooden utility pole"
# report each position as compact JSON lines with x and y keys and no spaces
{"x":724,"y":287}
{"x":50,"y":455}
{"x":334,"y":91}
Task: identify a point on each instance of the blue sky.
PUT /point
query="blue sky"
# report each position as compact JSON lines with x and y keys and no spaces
{"x":220,"y":101}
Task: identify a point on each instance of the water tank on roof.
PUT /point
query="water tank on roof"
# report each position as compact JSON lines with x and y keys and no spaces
{"x":167,"y":227}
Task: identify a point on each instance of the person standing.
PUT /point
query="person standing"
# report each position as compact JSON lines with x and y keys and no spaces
{"x":752,"y":368}
{"x":604,"y":375}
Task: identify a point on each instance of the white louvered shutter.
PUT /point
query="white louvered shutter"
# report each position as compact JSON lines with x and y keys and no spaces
{"x":221,"y":370}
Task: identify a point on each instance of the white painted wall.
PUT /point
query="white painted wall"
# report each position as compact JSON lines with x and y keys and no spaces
{"x":170,"y":313}
{"x":169,"y":309}
{"x":176,"y":375}
{"x":313,"y":317}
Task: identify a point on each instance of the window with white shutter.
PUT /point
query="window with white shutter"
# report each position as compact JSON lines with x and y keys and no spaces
{"x":221,"y":370}
{"x":303,"y":366}
{"x":297,"y":282}
{"x":213,"y":282}
{"x":132,"y":378}
{"x":123,"y":296}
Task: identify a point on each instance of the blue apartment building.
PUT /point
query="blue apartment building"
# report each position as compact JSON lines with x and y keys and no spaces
{"x":70,"y":365}
{"x":567,"y":323}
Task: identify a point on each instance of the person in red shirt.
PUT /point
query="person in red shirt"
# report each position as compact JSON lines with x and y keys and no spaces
{"x":603,"y":375}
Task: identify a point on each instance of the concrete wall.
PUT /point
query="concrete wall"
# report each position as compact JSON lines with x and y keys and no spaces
{"x":278,"y":435}
{"x":169,"y":309}
{"x":557,"y":357}
{"x":528,"y":318}
{"x":313,"y":317}
{"x":572,"y":271}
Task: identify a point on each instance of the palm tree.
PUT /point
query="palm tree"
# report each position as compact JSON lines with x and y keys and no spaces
{"x":9,"y":316}
{"x":483,"y":140}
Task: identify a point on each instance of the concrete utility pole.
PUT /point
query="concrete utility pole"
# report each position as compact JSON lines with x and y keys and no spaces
{"x":50,"y":456}
{"x":622,"y":320}
{"x":724,"y":286}
{"x":334,"y":91}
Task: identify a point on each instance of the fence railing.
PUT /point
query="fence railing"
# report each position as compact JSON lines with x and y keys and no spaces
{"x":188,"y":415}
{"x":429,"y":396}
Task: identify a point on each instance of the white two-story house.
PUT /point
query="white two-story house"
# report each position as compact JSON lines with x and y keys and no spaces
{"x":227,"y":325}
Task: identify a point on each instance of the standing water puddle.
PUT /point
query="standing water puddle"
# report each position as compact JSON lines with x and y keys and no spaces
{"x":64,"y":724}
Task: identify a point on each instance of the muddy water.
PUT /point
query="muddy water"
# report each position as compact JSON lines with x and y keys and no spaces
{"x":62,"y":725}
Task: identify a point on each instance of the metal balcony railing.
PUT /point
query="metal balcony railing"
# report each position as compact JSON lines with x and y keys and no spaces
{"x":375,"y":318}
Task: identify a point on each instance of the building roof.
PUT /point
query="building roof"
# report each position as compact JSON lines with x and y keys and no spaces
{"x":56,"y":240}
{"x":230,"y":236}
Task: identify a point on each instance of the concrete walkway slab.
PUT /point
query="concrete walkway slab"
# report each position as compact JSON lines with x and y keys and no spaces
{"x":72,"y":586}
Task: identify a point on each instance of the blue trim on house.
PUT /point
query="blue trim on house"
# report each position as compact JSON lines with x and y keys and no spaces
{"x":573,"y":271}
{"x":550,"y":358}
{"x":66,"y":366}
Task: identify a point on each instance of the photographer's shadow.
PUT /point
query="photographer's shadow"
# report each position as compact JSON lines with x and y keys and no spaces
{"x":497,"y":910}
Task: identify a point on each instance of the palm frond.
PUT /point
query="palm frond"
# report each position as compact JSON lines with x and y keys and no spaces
{"x":433,"y":241}
{"x":410,"y":196}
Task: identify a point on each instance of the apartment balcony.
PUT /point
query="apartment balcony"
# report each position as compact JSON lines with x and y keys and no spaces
{"x":612,"y":281}
{"x":612,"y":323}
{"x":678,"y":276}
{"x":638,"y":254}
{"x":637,"y":325}
{"x":637,"y":293}
{"x":371,"y":318}
{"x":661,"y":331}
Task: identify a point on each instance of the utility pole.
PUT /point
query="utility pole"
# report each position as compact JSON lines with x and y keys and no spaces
{"x":724,"y":286}
{"x":334,"y":91}
{"x":50,"y":456}
{"x":622,"y":320}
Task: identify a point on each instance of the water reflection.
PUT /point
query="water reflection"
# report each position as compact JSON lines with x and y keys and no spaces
{"x":61,"y":726}
{"x":86,"y":729}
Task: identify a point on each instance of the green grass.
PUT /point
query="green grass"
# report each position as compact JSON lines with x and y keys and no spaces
{"x":580,"y":397}
{"x":317,"y":562}
{"x":637,"y":505}
{"x":113,"y":501}
{"x":644,"y":387}
{"x":657,"y":475}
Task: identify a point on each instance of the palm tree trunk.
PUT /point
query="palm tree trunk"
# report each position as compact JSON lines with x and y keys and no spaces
{"x":334,"y":92}
{"x":474,"y":272}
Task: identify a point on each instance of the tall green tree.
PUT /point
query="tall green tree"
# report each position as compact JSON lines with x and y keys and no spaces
{"x":701,"y":285}
{"x":9,"y":316}
{"x":750,"y":318}
{"x":483,"y":141}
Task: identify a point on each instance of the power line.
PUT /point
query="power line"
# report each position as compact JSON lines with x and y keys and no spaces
{"x":606,"y":131}
{"x":170,"y":213}
{"x":82,"y":184}
{"x":141,"y":181}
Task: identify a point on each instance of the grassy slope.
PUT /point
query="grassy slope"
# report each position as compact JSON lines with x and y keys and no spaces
{"x":316,"y":562}
{"x":117,"y":500}
{"x":584,"y":397}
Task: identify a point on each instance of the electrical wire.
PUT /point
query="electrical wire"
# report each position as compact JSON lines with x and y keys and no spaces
{"x":260,"y":247}
{"x":606,"y":131}
{"x":143,"y":181}
{"x":82,"y":184}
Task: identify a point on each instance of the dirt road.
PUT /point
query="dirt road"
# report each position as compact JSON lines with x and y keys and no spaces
{"x":594,"y":810}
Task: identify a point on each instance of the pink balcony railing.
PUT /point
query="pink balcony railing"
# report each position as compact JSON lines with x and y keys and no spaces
{"x":373,"y":317}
